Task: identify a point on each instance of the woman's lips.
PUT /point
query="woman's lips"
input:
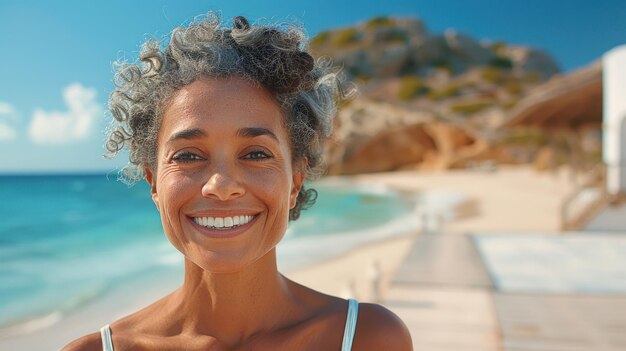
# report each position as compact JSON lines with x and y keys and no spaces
{"x":223,"y":227}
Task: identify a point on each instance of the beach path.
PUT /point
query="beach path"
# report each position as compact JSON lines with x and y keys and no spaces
{"x":444,"y":295}
{"x":573,"y":322}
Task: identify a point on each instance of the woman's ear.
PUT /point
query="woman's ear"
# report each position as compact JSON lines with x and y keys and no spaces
{"x":151,"y":179}
{"x":297,"y":179}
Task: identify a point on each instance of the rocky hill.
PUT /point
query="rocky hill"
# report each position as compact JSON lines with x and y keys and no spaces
{"x":393,"y":47}
{"x":426,"y":100}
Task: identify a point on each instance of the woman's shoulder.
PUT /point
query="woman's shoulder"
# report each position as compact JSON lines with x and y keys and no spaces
{"x":380,"y":329}
{"x":123,"y":331}
{"x":88,"y":342}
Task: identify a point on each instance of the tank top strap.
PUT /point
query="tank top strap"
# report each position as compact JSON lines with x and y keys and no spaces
{"x":107,"y":341}
{"x":348,"y":333}
{"x":350,"y":329}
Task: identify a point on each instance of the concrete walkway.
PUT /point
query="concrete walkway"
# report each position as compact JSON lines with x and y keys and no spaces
{"x":562,"y":322}
{"x":443,"y":294}
{"x":446,"y":297}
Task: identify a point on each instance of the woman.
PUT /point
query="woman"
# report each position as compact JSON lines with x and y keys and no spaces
{"x":225,"y":125}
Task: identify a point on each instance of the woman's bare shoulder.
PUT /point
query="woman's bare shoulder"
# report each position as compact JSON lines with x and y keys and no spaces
{"x":91,"y":342}
{"x":380,"y":329}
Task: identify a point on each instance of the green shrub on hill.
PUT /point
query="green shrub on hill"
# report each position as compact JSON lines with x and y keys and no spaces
{"x":378,"y":22}
{"x":492,"y":75}
{"x":320,"y":39}
{"x":501,"y":62}
{"x":355,"y":72}
{"x":345,"y":37}
{"x":526,"y":136}
{"x":497,"y":46}
{"x":362,"y":78}
{"x":445,"y":92}
{"x":410,"y":87}
{"x":395,"y":36}
{"x":507,"y":105}
{"x":514,"y":86}
{"x":442,"y":63}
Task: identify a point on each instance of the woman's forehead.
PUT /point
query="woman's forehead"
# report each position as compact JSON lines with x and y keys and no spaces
{"x":231,"y":93}
{"x":222,"y":102}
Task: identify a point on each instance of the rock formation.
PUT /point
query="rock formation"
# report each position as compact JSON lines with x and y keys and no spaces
{"x":431,"y":101}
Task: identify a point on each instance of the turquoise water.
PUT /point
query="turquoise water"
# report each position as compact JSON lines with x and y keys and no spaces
{"x":66,"y":240}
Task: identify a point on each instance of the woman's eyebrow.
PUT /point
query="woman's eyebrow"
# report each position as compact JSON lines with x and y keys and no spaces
{"x":255,"y":132}
{"x":187,"y":134}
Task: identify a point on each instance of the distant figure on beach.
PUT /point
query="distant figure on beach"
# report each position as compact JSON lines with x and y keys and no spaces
{"x":225,"y":125}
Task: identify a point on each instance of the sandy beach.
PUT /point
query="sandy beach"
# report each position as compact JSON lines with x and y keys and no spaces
{"x":508,"y":200}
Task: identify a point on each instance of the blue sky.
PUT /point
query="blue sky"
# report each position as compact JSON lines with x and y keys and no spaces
{"x":56,"y":56}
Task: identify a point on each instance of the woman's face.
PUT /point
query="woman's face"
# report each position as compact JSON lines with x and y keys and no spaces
{"x":224,"y":181}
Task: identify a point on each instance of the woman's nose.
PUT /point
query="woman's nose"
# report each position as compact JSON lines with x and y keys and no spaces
{"x":223,"y":184}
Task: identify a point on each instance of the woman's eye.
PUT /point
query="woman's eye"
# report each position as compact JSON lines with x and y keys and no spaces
{"x":257,"y":155}
{"x":186,"y":156}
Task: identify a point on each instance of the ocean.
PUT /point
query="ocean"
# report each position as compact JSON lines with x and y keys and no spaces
{"x":68,"y":240}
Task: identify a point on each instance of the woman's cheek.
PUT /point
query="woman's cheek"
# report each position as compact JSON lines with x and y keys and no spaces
{"x":272,"y":185}
{"x":174,"y":189}
{"x":274,"y":175}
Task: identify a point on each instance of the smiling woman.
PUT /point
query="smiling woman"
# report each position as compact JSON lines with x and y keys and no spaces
{"x":225,"y":125}
{"x":225,"y":155}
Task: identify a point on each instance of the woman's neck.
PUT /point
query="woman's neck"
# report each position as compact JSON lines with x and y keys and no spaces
{"x":233,"y":306}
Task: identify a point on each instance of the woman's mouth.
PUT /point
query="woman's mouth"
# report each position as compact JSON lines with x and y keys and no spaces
{"x":223,"y":223}
{"x":223,"y":227}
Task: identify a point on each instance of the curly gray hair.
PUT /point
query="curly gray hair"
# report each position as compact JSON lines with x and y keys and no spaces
{"x":307,"y":91}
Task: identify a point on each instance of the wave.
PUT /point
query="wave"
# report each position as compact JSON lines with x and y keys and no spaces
{"x":308,"y":250}
{"x":31,"y":325}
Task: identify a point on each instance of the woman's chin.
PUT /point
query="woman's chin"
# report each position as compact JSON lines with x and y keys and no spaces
{"x":229,"y":262}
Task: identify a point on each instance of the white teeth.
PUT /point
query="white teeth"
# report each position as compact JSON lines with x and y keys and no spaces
{"x":222,"y":222}
{"x":219,"y":222}
{"x":228,"y":222}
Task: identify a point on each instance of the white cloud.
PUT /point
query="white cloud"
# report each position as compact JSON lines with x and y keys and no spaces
{"x":54,"y":127}
{"x":6,"y":109}
{"x":7,"y":132}
{"x":8,"y":116}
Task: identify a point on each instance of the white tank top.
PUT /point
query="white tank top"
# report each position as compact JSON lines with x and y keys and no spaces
{"x":346,"y":345}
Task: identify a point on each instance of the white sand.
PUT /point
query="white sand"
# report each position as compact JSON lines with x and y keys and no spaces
{"x":354,"y":274}
{"x":511,"y":199}
{"x":506,"y":201}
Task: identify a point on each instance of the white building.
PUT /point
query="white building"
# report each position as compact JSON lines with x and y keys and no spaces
{"x":614,"y":119}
